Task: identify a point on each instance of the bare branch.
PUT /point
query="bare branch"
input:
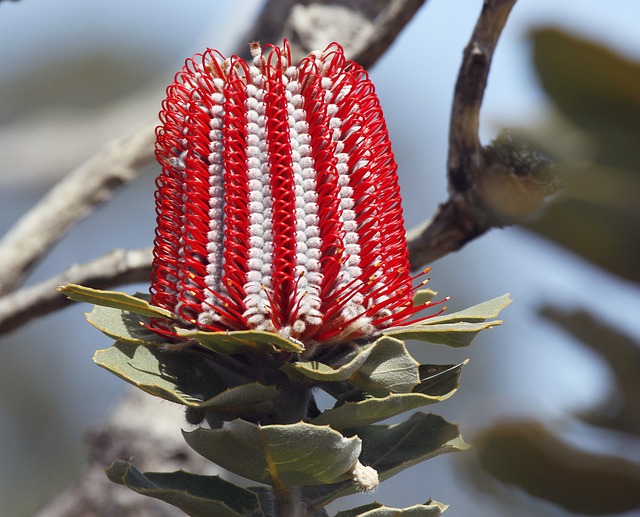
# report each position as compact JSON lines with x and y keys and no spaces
{"x":70,"y":200}
{"x":365,"y":28}
{"x":118,"y":267}
{"x":466,"y":214}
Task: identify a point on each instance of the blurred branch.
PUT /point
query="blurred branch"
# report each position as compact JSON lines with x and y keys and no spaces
{"x":115,"y":268}
{"x":70,"y":200}
{"x":140,"y":427}
{"x":373,"y":27}
{"x":465,"y":215}
{"x":365,"y":28}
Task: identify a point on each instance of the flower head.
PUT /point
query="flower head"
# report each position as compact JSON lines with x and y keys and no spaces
{"x":278,"y":206}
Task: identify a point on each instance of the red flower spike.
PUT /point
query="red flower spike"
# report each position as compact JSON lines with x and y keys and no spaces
{"x":278,"y":206}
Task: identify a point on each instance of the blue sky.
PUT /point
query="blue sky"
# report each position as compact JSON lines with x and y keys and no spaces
{"x":527,"y":366}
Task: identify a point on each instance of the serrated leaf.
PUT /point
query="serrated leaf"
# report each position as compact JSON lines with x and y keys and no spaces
{"x":429,"y":509}
{"x":196,"y":495}
{"x":388,"y":369}
{"x":293,"y":455}
{"x":125,"y":325}
{"x":392,"y":448}
{"x":185,"y":377}
{"x":435,"y":387}
{"x":114,"y":299}
{"x":457,"y":329}
{"x":233,"y":342}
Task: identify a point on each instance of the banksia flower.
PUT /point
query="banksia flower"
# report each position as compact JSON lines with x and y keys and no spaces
{"x":278,"y":206}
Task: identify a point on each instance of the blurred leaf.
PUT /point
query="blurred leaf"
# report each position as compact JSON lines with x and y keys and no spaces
{"x":622,"y":353}
{"x":294,"y":454}
{"x":236,"y":341}
{"x":196,"y":495}
{"x":456,"y":329}
{"x":598,"y":217}
{"x":113,"y":299}
{"x":429,"y":509}
{"x":436,"y":386}
{"x":389,"y":449}
{"x":597,"y":89}
{"x":185,"y":378}
{"x":528,"y":455}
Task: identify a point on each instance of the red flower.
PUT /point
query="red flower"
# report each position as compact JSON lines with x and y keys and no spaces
{"x":278,"y":204}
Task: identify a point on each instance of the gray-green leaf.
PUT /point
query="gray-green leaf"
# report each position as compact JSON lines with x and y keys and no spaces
{"x":292,"y":455}
{"x":184,"y":377}
{"x":196,"y":495}
{"x":429,"y":509}
{"x":114,"y":299}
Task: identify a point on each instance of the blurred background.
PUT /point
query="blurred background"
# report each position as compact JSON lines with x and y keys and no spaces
{"x":550,"y":400}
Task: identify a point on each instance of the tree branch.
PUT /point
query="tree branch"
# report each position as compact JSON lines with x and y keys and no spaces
{"x":117,"y":267}
{"x":70,"y":200}
{"x":365,"y":28}
{"x":465,"y":215}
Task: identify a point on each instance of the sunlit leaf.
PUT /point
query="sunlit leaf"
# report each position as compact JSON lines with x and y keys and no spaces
{"x":438,"y":383}
{"x":429,"y":509}
{"x":116,"y":300}
{"x":232,"y":342}
{"x":321,"y":372}
{"x":294,"y":455}
{"x":196,"y":495}
{"x":388,"y":369}
{"x":389,"y":449}
{"x":125,"y":325}
{"x":456,"y":329}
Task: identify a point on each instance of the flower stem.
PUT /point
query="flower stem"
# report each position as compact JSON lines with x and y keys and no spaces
{"x":288,"y":502}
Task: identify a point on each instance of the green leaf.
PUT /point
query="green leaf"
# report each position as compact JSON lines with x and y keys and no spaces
{"x":185,"y":378}
{"x":233,"y":342}
{"x":439,"y":379}
{"x":429,"y":509}
{"x":321,"y":372}
{"x":388,"y":369}
{"x":456,"y":329}
{"x":196,"y":495}
{"x":435,"y":387}
{"x":293,"y":455}
{"x":116,"y":300}
{"x":373,"y":410}
{"x":119,"y":324}
{"x":476,"y":313}
{"x":392,"y":448}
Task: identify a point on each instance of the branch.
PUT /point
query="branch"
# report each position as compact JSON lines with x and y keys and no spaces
{"x":465,"y":215}
{"x":117,"y":267}
{"x":92,"y":183}
{"x":365,"y":28}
